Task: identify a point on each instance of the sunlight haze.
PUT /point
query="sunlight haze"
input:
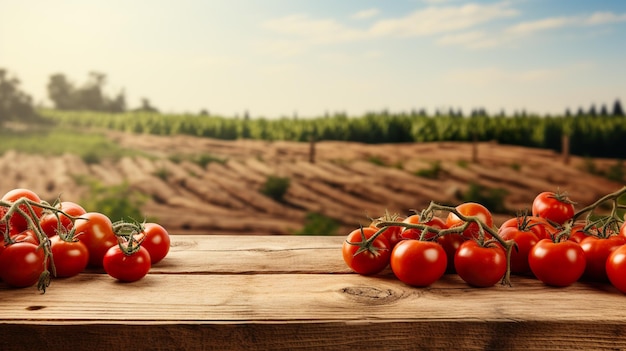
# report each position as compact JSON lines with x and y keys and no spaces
{"x":277,"y":58}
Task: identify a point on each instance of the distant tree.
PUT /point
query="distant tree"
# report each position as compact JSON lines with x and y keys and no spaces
{"x":603,"y":110}
{"x":204,"y":112}
{"x":146,"y":106}
{"x":14,"y":104}
{"x":617,"y":108}
{"x":61,"y":92}
{"x":592,"y":110}
{"x":568,"y":113}
{"x":90,"y":96}
{"x":580,"y":112}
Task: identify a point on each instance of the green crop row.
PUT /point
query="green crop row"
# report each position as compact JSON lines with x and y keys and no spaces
{"x":593,"y":136}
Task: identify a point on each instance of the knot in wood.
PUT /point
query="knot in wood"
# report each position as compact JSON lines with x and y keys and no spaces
{"x":370,"y":293}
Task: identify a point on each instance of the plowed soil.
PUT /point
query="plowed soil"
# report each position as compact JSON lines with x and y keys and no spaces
{"x":349,"y":182}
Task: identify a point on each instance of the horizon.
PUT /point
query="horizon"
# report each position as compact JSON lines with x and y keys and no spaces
{"x":279,"y":58}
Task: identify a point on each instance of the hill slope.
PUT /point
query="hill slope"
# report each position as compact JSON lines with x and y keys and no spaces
{"x":347,"y":181}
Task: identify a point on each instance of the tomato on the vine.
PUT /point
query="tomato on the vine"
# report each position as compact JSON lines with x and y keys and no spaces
{"x":415,"y":233}
{"x":597,"y":250}
{"x":50,"y":221}
{"x":471,"y":209}
{"x":555,"y":207}
{"x":557,"y":263}
{"x":156,"y":241}
{"x":95,"y":230}
{"x":616,"y":268}
{"x":539,"y":226}
{"x":17,"y":222}
{"x":366,"y":258}
{"x":69,"y":257}
{"x":480,"y":266}
{"x":418,"y":263}
{"x":126,"y":267}
{"x":524,"y":241}
{"x":21,"y":264}
{"x":392,"y":232}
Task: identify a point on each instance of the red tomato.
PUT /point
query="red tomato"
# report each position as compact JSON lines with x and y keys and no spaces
{"x":557,"y":264}
{"x":95,"y":230}
{"x":616,"y":268}
{"x":539,"y":226}
{"x":524,"y":240}
{"x":622,"y":229}
{"x":366,"y":260}
{"x":597,"y":250}
{"x":478,"y":265}
{"x":21,"y":264}
{"x":126,"y":268}
{"x":554,"y":207}
{"x":50,"y":223}
{"x":156,"y":241}
{"x":69,"y":257}
{"x":415,"y":233}
{"x":17,"y":222}
{"x":392,"y":233}
{"x":470,"y":209}
{"x":418,"y":263}
{"x":577,"y":234}
{"x":451,"y":244}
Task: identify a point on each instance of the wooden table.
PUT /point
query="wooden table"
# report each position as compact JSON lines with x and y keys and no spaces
{"x":295,"y":292}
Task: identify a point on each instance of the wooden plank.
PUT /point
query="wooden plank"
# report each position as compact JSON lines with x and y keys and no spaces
{"x":294,"y":292}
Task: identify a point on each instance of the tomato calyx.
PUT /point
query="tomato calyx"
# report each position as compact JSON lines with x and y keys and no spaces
{"x":129,"y":235}
{"x":599,"y":224}
{"x":367,"y":244}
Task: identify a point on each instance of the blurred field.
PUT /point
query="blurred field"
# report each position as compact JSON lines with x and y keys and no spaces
{"x":202,"y":185}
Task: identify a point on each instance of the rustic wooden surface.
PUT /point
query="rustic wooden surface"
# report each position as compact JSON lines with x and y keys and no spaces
{"x":295,"y":292}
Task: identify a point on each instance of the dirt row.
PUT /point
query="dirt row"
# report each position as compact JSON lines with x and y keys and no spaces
{"x":348,"y":182}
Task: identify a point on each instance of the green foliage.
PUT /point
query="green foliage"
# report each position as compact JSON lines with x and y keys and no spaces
{"x":432,"y":172}
{"x":91,"y":147}
{"x":616,"y":172}
{"x":117,"y":201}
{"x":492,"y":198}
{"x":89,"y":97}
{"x":275,"y":187}
{"x":595,"y":136}
{"x":318,"y":224}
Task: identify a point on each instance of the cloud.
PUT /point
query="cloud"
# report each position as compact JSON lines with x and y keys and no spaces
{"x":365,"y":14}
{"x":604,"y":18}
{"x":597,"y":18}
{"x":471,"y":40}
{"x":435,"y":20}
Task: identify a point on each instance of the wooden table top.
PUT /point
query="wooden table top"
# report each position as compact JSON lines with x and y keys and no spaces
{"x":295,"y":292}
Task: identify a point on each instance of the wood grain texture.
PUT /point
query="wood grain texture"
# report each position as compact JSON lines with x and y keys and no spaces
{"x":294,"y":292}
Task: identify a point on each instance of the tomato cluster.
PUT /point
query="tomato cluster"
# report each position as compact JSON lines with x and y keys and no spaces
{"x":554,"y":243}
{"x":43,"y":240}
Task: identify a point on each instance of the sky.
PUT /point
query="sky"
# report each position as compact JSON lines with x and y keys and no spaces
{"x":275,"y":58}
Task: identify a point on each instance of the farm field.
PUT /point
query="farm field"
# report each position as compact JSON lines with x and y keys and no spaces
{"x":348,"y":182}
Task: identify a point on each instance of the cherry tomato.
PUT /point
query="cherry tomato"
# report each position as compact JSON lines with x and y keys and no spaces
{"x":616,"y":268}
{"x":451,"y":244}
{"x":17,"y":222}
{"x":470,"y":209}
{"x":21,"y":264}
{"x":95,"y":230}
{"x":415,"y":233}
{"x":69,"y":257}
{"x":622,"y":229}
{"x":366,"y":260}
{"x":557,"y":264}
{"x":577,"y":233}
{"x":524,"y":241}
{"x":418,"y":263}
{"x":50,"y":223}
{"x":539,"y":226}
{"x":597,"y":250}
{"x":126,"y":268}
{"x":156,"y":241}
{"x":555,"y":207}
{"x":392,"y":233}
{"x":480,"y":266}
